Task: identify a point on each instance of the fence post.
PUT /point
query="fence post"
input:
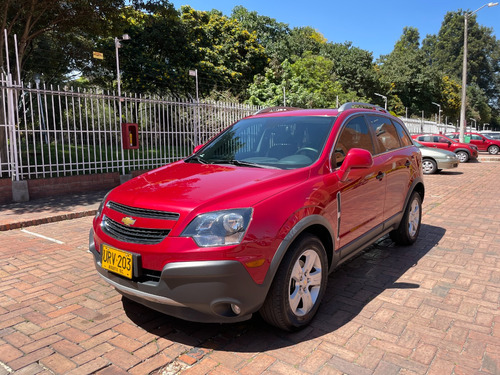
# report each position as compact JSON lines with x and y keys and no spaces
{"x":11,"y":125}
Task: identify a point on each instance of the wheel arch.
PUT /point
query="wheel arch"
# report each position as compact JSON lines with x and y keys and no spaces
{"x":316,"y":225}
{"x":429,"y":158}
{"x":418,"y":186}
{"x":462,"y":149}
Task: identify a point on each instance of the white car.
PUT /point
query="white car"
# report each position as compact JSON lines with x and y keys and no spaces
{"x":435,"y":159}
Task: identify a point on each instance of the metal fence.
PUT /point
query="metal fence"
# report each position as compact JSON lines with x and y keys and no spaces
{"x":53,"y":131}
{"x":417,"y":126}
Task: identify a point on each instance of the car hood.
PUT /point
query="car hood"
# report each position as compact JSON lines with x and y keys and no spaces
{"x":436,"y":152}
{"x":183,"y":187}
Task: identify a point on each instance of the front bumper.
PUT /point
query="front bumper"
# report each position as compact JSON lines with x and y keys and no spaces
{"x":202,"y":291}
{"x":447,"y":164}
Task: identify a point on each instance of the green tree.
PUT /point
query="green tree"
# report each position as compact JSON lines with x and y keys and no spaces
{"x":53,"y":31}
{"x":444,"y":51}
{"x":406,"y":77}
{"x":309,"y":82}
{"x":158,"y":56}
{"x":271,"y":34}
{"x":353,"y":68}
{"x":228,"y":55}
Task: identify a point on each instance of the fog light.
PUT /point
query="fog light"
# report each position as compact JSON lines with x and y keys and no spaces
{"x":236,"y":309}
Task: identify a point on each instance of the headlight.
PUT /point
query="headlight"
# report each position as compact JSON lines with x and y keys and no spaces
{"x":101,"y":206}
{"x":219,"y":228}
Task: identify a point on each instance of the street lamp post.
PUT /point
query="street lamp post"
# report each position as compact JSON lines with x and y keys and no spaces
{"x":384,"y":97}
{"x":464,"y":71}
{"x":118,"y":85}
{"x":475,"y":123}
{"x":194,"y":73}
{"x":439,"y":112}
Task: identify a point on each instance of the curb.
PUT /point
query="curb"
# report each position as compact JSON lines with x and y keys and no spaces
{"x":46,"y":220}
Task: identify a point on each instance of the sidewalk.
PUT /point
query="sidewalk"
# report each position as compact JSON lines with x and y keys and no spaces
{"x":47,"y":210}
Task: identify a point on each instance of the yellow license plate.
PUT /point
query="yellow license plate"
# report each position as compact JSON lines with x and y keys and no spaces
{"x":117,"y":261}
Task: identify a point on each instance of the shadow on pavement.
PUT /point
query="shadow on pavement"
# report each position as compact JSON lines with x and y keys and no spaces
{"x":448,"y":173}
{"x":350,"y":289}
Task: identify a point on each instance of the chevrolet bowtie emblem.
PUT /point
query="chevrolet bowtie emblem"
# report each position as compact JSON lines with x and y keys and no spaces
{"x":128,"y":221}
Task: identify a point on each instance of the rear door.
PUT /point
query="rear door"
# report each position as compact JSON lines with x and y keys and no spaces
{"x":398,"y":160}
{"x":479,"y":142}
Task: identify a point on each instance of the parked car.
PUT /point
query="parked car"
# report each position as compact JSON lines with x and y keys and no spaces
{"x":256,"y":219}
{"x":434,"y":159}
{"x":464,"y":151}
{"x":482,"y":142}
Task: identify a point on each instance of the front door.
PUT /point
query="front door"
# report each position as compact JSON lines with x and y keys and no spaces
{"x":361,"y":197}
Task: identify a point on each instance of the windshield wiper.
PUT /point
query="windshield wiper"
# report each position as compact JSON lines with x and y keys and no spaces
{"x":241,"y":163}
{"x":196,"y":159}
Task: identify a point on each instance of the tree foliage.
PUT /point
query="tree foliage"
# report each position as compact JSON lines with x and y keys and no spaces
{"x":51,"y":33}
{"x":248,"y":56}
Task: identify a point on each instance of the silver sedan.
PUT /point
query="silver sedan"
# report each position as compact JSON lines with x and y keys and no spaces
{"x":433,"y":160}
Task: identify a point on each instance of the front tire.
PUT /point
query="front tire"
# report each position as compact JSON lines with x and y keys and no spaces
{"x":409,"y":228}
{"x":429,"y":166}
{"x":298,"y":286}
{"x":493,"y":150}
{"x":463,"y":156}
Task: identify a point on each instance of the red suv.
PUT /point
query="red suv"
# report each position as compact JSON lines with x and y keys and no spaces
{"x":464,"y":151}
{"x":257,"y":218}
{"x":480,"y":141}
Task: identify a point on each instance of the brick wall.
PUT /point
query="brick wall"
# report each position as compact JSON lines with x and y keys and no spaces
{"x":5,"y":190}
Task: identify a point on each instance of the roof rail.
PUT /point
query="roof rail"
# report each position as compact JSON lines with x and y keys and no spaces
{"x":351,"y":105}
{"x":275,"y":109}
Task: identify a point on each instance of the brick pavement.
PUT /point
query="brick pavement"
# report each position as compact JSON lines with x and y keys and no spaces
{"x":428,"y":309}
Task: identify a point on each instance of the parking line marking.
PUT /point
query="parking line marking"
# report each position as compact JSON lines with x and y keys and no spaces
{"x":42,"y":236}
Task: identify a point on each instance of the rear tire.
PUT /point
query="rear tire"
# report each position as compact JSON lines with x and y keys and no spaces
{"x":298,"y":286}
{"x":493,"y":150}
{"x":409,"y":228}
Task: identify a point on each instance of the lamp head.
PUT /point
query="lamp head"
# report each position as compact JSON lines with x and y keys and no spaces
{"x":127,"y":37}
{"x":492,"y":4}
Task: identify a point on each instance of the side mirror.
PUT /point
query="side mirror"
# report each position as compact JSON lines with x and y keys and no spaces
{"x":356,"y":158}
{"x":197,"y":148}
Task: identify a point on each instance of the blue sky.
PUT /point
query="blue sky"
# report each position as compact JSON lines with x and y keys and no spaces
{"x":371,"y":25}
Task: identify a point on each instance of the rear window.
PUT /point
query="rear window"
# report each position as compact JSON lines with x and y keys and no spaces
{"x":387,"y":137}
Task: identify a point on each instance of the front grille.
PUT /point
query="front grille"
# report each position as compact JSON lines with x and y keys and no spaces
{"x":142,"y":212}
{"x":133,"y":235}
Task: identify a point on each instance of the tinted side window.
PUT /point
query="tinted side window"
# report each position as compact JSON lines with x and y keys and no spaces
{"x":355,"y":134}
{"x":403,"y":135}
{"x":386,"y":133}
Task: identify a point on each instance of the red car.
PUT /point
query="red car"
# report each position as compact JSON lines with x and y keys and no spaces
{"x":480,"y":141}
{"x":256,"y":219}
{"x":464,"y":151}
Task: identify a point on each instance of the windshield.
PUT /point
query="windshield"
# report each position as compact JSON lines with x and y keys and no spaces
{"x":286,"y":142}
{"x":492,"y":135}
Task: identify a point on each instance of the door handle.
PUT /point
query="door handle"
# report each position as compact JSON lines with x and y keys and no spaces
{"x":380,"y":176}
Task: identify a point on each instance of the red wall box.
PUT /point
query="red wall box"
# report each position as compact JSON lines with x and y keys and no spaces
{"x":130,"y":136}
